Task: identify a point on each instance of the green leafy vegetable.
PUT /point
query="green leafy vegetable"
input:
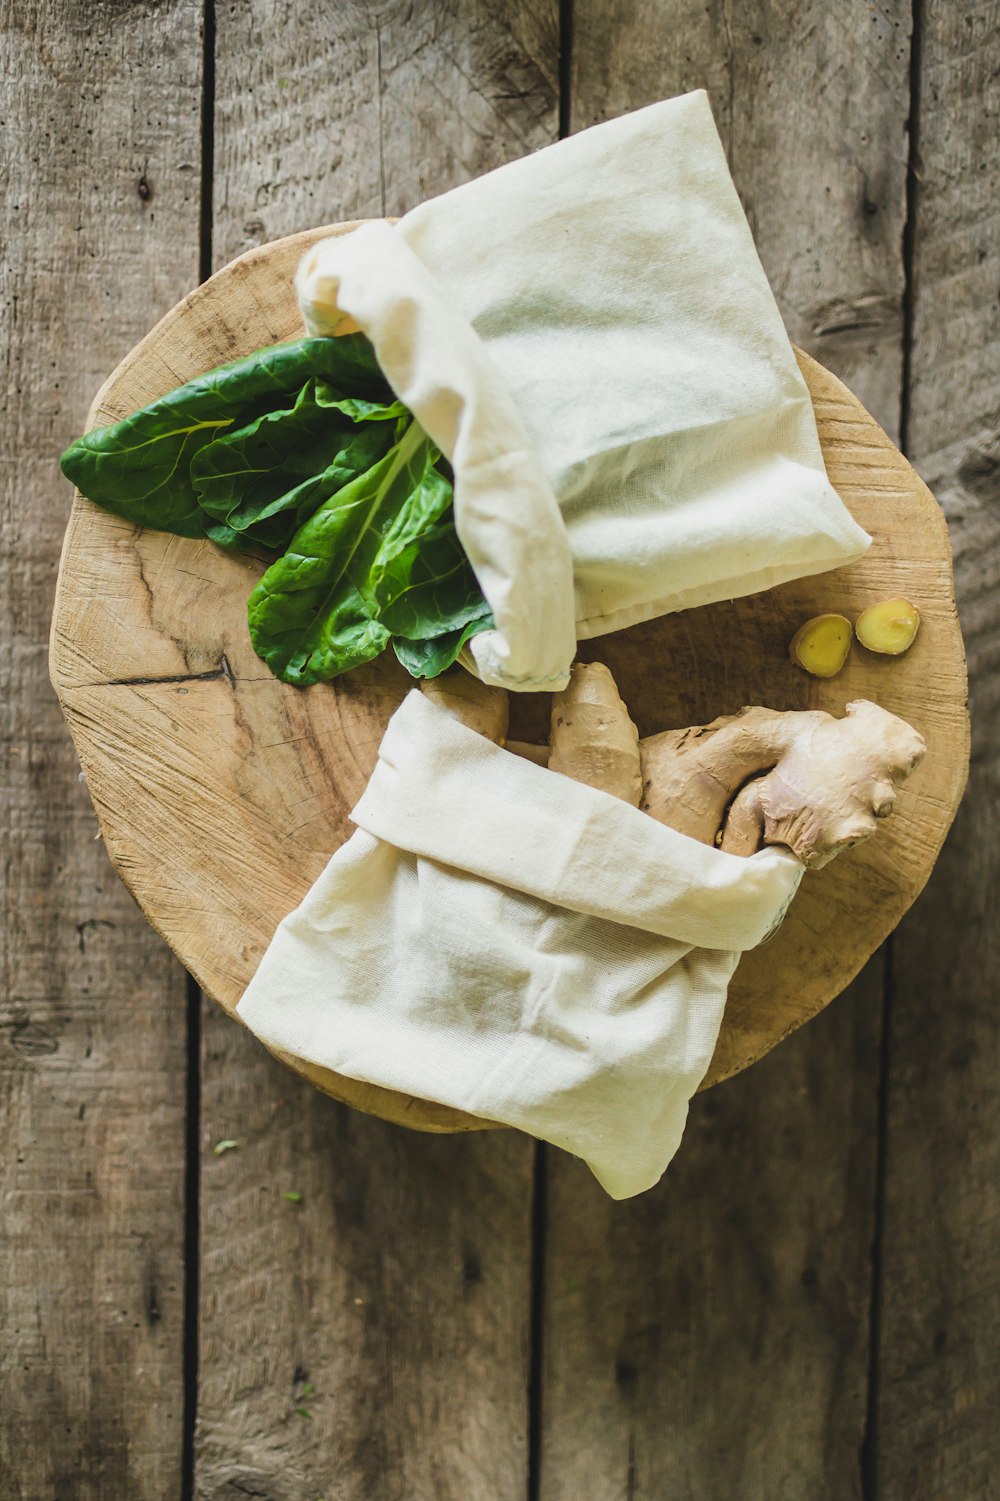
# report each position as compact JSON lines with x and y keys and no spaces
{"x":427,"y":587}
{"x":303,"y":449}
{"x":428,"y":659}
{"x":261,"y":481}
{"x":313,"y":614}
{"x":140,"y":468}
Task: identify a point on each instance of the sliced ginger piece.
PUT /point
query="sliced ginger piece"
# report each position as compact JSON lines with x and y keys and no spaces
{"x":821,"y":645}
{"x":888,"y":627}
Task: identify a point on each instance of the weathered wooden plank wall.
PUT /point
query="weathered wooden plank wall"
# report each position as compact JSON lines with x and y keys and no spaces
{"x":470,"y":1318}
{"x":937,"y":1381}
{"x":101,"y":138}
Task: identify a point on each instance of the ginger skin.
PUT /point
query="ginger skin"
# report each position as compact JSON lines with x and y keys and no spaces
{"x":812,"y":783}
{"x":807,"y":782}
{"x":483,"y":709}
{"x":592,"y":739}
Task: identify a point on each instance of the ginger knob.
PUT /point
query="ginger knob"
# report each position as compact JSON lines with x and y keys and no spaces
{"x":593,"y":740}
{"x":821,"y":645}
{"x":888,"y":627}
{"x":480,"y":708}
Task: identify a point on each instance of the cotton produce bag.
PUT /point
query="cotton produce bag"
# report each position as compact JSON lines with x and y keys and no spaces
{"x":590,"y":338}
{"x":510,"y":942}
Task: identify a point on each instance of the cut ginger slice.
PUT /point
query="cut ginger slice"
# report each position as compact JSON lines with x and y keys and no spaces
{"x":889,"y":626}
{"x":821,"y":645}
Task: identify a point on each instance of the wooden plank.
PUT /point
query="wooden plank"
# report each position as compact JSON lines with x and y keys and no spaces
{"x":100,"y":217}
{"x":939,"y":1393}
{"x":711,"y":1339}
{"x":399,"y":1288}
{"x":350,"y":115}
{"x":370,"y":1339}
{"x":708,"y":1339}
{"x":817,"y":144}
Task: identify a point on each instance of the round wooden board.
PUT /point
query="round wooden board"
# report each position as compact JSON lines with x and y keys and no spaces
{"x":221,"y":793}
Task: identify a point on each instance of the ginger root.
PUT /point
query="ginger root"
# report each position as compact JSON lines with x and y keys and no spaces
{"x":833,"y":782}
{"x":593,"y":740}
{"x":888,"y":627}
{"x":804,"y":781}
{"x":821,"y":645}
{"x":481,"y":708}
{"x":812,"y":783}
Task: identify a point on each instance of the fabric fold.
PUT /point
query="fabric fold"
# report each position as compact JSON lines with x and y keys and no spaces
{"x":511,"y":943}
{"x":444,"y":792}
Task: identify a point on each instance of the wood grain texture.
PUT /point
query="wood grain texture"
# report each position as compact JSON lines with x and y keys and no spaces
{"x":939,"y":1377}
{"x":732,"y":1357}
{"x":195,"y":753}
{"x":399,"y":1288}
{"x":370,"y":1339}
{"x":709,"y":1339}
{"x":357,"y":111}
{"x":99,"y":214}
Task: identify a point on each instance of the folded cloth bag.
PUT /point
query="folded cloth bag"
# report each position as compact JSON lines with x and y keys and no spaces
{"x":589,"y":336}
{"x":515,"y":944}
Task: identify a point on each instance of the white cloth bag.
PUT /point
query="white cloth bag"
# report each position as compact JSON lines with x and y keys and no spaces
{"x":505,"y":940}
{"x":589,"y":336}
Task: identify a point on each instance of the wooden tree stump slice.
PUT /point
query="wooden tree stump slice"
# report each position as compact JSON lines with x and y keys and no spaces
{"x":221,"y":793}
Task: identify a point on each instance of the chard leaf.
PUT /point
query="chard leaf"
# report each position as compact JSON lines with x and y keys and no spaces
{"x":263,"y":480}
{"x":426,"y":588}
{"x":425,"y":505}
{"x":140,"y":468}
{"x":428,"y":659}
{"x":312,"y":615}
{"x":276,"y":523}
{"x":303,"y":446}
